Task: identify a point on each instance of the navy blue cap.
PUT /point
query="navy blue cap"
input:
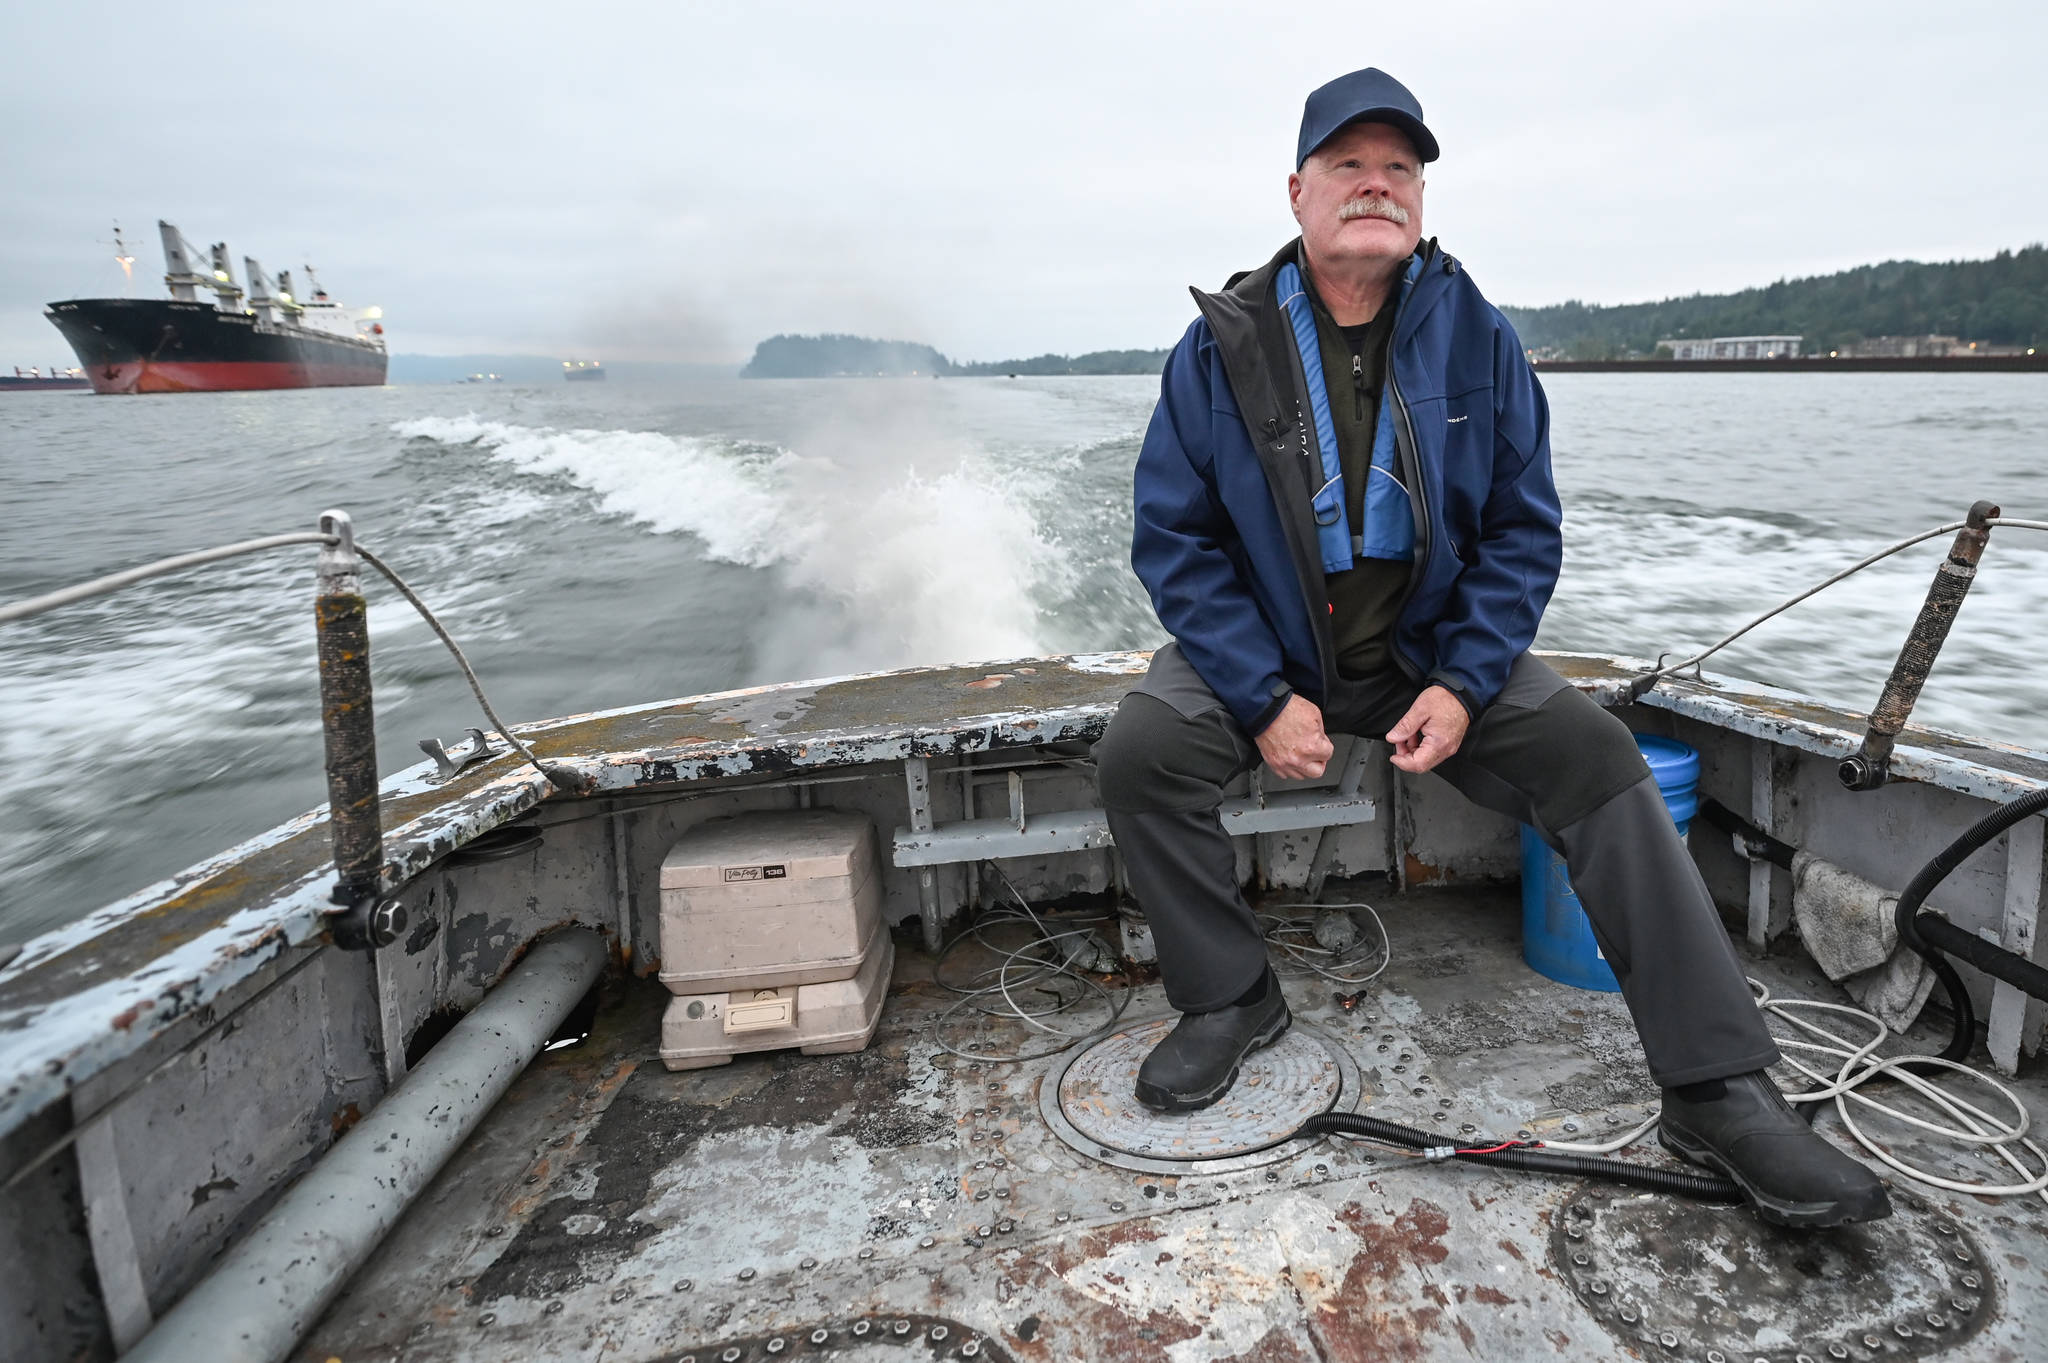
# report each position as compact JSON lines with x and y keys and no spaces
{"x":1370,"y":94}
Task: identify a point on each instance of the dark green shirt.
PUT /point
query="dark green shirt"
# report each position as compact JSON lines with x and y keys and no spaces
{"x":1365,"y":599}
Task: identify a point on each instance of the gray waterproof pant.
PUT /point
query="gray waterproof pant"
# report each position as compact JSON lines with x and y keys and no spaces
{"x":1543,"y":753}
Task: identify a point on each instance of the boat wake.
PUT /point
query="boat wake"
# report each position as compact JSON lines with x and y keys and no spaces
{"x":870,"y":563}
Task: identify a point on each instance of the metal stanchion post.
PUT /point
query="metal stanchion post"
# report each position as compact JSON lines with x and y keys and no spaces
{"x":362,"y":918}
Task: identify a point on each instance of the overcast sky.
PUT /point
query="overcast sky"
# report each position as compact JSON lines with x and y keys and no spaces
{"x":679,"y":180}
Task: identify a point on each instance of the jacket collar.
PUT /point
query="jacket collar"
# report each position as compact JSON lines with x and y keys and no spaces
{"x":1248,"y":292}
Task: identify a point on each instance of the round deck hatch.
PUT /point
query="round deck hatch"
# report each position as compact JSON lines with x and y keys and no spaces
{"x":1682,"y":1280}
{"x":1091,"y":1104}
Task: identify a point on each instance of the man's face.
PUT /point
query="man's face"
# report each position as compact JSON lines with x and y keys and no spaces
{"x":1358,"y":196}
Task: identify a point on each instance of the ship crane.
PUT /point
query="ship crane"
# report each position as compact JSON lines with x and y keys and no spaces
{"x":185,"y":282}
{"x":269,"y":298}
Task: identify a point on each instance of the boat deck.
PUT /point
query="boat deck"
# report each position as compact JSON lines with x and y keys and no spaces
{"x":901,"y":1203}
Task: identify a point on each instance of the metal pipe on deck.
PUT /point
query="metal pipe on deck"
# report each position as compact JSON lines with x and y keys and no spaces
{"x":270,"y":1288}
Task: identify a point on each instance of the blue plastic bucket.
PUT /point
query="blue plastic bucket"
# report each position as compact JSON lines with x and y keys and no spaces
{"x":1557,"y":941}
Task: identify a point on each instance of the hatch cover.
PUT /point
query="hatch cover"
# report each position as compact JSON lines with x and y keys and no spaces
{"x":1679,"y":1279}
{"x":1091,"y":1103}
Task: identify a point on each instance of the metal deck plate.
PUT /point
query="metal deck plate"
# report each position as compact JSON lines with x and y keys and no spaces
{"x":1681,"y":1280}
{"x":1092,"y":1106}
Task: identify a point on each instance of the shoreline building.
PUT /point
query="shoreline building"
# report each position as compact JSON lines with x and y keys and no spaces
{"x":1734,"y":348}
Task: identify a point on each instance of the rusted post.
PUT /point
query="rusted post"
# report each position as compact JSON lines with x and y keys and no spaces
{"x":1870,"y":765}
{"x":361,"y":919}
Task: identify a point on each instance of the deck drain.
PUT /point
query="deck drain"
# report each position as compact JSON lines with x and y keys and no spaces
{"x":1697,"y":1281}
{"x":1090,"y":1103}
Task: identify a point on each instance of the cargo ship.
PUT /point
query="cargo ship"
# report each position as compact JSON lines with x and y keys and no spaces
{"x":33,"y":380}
{"x":582,"y":371}
{"x":264,"y":337}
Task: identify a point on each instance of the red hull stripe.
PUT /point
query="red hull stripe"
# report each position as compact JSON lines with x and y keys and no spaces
{"x":226,"y":376}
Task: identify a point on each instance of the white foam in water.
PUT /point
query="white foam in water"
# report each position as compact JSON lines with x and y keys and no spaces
{"x":669,"y":482}
{"x":880,"y":564}
{"x":1641,"y":581}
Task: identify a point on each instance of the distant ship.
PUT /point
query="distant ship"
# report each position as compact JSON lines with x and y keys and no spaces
{"x":33,"y":380}
{"x":266,"y":338}
{"x":582,"y":371}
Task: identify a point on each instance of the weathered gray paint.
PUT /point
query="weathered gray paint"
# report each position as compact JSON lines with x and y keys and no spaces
{"x":612,"y":1209}
{"x":50,"y":1300}
{"x":114,"y":1013}
{"x":1076,"y":830}
{"x":253,"y":1305}
{"x":76,"y":1000}
{"x":2015,"y":1020}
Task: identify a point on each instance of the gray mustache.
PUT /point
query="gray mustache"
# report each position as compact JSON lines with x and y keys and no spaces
{"x":1372,"y":208}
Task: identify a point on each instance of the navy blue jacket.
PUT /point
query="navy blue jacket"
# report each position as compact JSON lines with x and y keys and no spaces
{"x":1224,"y":536}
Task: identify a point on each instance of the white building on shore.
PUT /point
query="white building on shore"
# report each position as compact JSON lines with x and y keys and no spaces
{"x":1734,"y":348}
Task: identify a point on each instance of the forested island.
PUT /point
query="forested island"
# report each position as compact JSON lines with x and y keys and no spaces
{"x":839,"y":356}
{"x":2002,"y":301}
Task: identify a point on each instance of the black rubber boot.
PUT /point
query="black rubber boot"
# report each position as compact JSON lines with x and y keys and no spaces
{"x":1198,"y":1061}
{"x":1749,"y":1132}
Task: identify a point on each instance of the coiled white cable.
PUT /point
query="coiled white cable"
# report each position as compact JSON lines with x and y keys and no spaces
{"x":1043,"y":959}
{"x":1350,"y":967}
{"x":1859,"y":1064}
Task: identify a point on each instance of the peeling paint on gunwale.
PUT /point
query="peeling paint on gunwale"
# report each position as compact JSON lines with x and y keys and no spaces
{"x":84,"y":997}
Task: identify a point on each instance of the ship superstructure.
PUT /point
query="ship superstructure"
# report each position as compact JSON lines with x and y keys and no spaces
{"x":263,"y":337}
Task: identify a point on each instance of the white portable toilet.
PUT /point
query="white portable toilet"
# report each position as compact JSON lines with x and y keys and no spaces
{"x":772,"y":937}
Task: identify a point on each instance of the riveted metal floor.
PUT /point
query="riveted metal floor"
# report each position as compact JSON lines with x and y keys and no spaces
{"x":901,"y":1203}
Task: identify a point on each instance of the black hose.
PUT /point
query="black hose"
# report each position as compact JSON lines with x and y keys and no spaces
{"x":1702,"y":1187}
{"x":1930,"y":935}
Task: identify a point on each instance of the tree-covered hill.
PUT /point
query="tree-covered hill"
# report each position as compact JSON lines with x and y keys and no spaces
{"x":825,"y":357}
{"x":1094,"y":362}
{"x":2003,"y":300}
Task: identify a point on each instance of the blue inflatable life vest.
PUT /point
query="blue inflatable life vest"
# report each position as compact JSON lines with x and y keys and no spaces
{"x":1389,"y":529}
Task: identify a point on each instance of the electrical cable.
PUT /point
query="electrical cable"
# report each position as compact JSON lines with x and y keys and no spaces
{"x":1859,"y":1064}
{"x":1966,"y":1122}
{"x":1534,"y":1157}
{"x":1296,"y":939}
{"x":1041,"y":959}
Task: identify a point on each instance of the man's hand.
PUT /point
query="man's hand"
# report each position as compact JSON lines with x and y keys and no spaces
{"x":1294,"y":744}
{"x":1431,"y":730}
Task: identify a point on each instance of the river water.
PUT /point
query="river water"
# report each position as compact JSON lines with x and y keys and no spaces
{"x":596,"y":545}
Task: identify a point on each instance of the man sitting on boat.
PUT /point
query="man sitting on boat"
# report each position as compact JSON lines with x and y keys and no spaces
{"x":1345,"y":517}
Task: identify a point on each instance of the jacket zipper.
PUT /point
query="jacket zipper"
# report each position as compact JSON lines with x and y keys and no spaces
{"x":1418,"y":489}
{"x":1418,"y":496}
{"x":1357,"y":387}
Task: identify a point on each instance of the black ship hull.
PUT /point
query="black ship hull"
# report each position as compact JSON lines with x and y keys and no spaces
{"x":46,"y":383}
{"x":129,"y":345}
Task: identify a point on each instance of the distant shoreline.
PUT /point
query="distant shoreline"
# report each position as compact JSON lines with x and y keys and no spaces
{"x":1808,"y":364}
